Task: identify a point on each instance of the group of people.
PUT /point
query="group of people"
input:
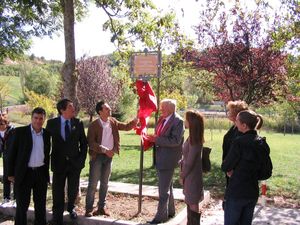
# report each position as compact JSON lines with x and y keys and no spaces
{"x":27,"y":152}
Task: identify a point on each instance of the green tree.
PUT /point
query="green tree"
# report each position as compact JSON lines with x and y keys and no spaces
{"x":42,"y":82}
{"x":4,"y":92}
{"x":20,"y":21}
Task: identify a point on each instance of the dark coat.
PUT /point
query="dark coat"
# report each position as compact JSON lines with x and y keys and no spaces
{"x":228,"y":139}
{"x":20,"y":151}
{"x":74,"y":149}
{"x":243,"y":160}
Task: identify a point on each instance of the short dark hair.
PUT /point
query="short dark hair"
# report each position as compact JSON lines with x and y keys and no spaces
{"x":62,"y":105}
{"x":99,"y":106}
{"x":38,"y":110}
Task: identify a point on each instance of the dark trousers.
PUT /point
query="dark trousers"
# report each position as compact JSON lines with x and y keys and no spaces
{"x":193,"y":218}
{"x":239,"y":211}
{"x":36,"y":181}
{"x":6,"y":183}
{"x":72,"y":176}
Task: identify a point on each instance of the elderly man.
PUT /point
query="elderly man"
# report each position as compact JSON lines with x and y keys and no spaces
{"x":168,"y":139}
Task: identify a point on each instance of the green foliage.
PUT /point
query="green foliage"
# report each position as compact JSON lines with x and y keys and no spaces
{"x":36,"y":100}
{"x":181,"y":99}
{"x":42,"y":82}
{"x":4,"y":91}
{"x":284,"y":181}
{"x":20,"y":20}
{"x":15,"y":95}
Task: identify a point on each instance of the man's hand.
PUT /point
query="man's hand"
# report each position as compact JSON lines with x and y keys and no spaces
{"x":110,"y":153}
{"x":106,"y":151}
{"x":152,"y":137}
{"x":11,"y":178}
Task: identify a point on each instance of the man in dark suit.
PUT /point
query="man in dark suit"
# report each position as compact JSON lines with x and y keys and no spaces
{"x":28,"y":167}
{"x":168,"y":140}
{"x":69,"y":149}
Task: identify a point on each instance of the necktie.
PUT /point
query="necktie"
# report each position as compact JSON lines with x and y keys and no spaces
{"x":161,"y":125}
{"x":67,"y":130}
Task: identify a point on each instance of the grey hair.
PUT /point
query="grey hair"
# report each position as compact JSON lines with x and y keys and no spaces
{"x":170,"y":102}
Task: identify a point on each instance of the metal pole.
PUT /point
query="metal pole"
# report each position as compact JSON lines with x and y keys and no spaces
{"x":141,"y":178}
{"x":158,"y":99}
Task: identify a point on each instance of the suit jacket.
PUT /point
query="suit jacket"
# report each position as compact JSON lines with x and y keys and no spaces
{"x":73,"y":150}
{"x":169,"y":144}
{"x":20,"y":151}
{"x":95,"y":135}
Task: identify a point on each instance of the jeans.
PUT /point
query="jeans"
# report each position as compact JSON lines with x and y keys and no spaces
{"x":239,"y":211}
{"x":100,"y":169}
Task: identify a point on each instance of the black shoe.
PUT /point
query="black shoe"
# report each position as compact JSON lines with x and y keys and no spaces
{"x":73,"y":215}
{"x":154,"y":221}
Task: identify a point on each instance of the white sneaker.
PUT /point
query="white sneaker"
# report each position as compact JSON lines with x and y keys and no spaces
{"x":5,"y":202}
{"x":14,"y":203}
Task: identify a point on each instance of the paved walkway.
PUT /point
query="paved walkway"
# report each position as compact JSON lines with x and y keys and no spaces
{"x":267,"y":215}
{"x":212,"y":216}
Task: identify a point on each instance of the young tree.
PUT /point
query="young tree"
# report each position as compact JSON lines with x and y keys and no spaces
{"x":239,"y":52}
{"x":96,"y":83}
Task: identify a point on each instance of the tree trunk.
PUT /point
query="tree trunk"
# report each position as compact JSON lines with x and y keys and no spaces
{"x":68,"y":72}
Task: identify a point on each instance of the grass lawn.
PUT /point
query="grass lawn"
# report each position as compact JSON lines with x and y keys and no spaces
{"x":286,"y":162}
{"x":15,"y":91}
{"x":284,"y":153}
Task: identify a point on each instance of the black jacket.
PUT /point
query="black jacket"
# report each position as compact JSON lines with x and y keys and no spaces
{"x":243,"y":160}
{"x":20,"y":151}
{"x":228,"y":139}
{"x":74,"y":148}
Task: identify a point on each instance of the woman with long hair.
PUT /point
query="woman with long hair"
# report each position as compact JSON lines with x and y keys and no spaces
{"x":191,"y":166}
{"x":242,"y":165}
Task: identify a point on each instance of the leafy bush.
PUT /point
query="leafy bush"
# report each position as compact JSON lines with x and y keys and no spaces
{"x":42,"y":82}
{"x":36,"y":100}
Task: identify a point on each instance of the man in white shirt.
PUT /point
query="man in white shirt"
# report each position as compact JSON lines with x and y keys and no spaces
{"x":104,"y":141}
{"x":28,"y":167}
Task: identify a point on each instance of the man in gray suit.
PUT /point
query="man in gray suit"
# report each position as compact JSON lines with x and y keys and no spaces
{"x":168,"y":139}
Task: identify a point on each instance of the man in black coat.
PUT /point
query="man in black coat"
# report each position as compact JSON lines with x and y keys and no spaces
{"x":69,"y":149}
{"x":28,"y":167}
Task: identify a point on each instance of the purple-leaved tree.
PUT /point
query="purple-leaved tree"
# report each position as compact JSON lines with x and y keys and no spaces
{"x":96,"y":83}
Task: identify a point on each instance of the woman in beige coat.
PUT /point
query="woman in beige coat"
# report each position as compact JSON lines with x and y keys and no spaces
{"x":191,"y":166}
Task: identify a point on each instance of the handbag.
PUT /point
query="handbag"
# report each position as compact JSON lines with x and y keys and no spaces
{"x":206,"y":165}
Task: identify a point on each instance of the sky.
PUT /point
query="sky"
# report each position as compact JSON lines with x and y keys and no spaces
{"x":91,"y":40}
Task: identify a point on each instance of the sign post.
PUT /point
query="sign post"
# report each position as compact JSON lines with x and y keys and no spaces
{"x":144,"y":66}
